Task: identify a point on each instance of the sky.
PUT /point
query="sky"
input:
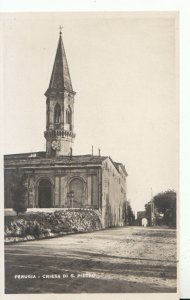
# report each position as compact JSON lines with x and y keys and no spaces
{"x":124,"y":69}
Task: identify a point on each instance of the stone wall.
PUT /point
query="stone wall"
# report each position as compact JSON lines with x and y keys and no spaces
{"x":84,"y":182}
{"x":98,"y":183}
{"x":113,"y":196}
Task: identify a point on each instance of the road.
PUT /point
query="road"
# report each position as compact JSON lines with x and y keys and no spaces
{"x":120,"y":260}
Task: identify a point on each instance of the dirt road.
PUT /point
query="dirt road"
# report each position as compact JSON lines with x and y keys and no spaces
{"x":120,"y":260}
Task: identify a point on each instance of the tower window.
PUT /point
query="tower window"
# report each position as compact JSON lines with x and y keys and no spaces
{"x":57,"y":113}
{"x":67,"y":112}
{"x":69,"y":116}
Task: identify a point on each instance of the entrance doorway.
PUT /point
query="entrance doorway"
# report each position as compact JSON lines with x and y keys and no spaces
{"x":44,"y":194}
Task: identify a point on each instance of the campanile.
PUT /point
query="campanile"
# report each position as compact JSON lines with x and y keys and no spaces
{"x":59,"y":132}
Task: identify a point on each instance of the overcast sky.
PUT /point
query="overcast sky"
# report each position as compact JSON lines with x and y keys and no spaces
{"x":124,"y":69}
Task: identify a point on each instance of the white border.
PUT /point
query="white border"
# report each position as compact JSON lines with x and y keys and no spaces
{"x":89,"y":5}
{"x":143,"y":5}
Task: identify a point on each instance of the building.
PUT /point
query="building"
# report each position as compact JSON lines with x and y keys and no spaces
{"x":140,"y":216}
{"x":56,"y":177}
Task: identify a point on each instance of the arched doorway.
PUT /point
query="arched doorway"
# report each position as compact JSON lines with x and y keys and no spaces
{"x":77,"y":192}
{"x":44,"y":194}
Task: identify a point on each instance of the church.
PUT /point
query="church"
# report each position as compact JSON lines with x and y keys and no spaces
{"x":56,"y":178}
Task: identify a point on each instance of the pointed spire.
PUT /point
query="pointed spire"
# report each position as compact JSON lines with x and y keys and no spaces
{"x":60,"y":29}
{"x":60,"y":77}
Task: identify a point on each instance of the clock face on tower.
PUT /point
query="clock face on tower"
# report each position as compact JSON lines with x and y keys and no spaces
{"x":54,"y":145}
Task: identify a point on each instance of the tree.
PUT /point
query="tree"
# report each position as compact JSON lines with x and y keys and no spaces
{"x":164,"y":209}
{"x":165,"y":203}
{"x":129,"y":215}
{"x":18,"y":191}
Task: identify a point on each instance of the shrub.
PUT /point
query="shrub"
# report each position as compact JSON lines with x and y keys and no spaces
{"x":18,"y":191}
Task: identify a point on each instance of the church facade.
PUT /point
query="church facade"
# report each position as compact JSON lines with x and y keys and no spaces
{"x":57,"y":178}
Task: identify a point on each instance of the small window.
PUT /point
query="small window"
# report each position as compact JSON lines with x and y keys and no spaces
{"x":69,"y":116}
{"x":57,"y":114}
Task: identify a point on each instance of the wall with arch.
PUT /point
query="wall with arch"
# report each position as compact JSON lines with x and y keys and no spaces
{"x":101,"y":187}
{"x":84,"y":183}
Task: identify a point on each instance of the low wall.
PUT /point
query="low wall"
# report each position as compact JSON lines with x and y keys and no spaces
{"x":42,"y":224}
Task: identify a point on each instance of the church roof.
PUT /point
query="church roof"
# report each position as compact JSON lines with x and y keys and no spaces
{"x":34,"y":158}
{"x":65,"y":160}
{"x":60,"y":77}
{"x":117,"y":165}
{"x":82,"y":159}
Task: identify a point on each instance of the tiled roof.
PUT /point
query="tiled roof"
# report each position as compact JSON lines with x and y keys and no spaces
{"x":34,"y":158}
{"x":75,"y":159}
{"x":39,"y":154}
{"x":117,"y":165}
{"x":81,"y":159}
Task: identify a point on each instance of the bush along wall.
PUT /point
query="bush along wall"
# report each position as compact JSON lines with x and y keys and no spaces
{"x":41,"y":225}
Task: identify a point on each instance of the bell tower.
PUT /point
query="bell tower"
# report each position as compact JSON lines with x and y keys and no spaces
{"x":59,"y":132}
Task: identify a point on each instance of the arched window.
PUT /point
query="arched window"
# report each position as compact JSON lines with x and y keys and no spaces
{"x":47,"y":118}
{"x":57,"y":113}
{"x":69,"y":116}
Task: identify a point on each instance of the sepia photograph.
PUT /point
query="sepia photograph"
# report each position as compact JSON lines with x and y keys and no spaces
{"x":91,"y":152}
